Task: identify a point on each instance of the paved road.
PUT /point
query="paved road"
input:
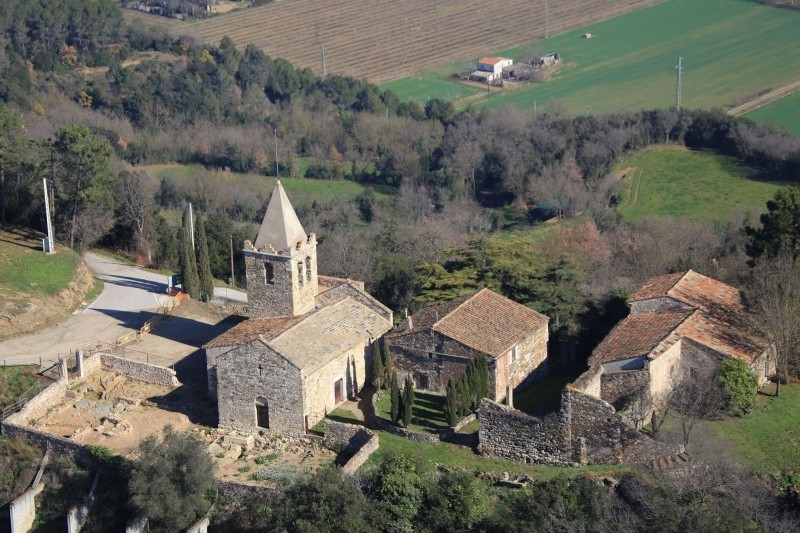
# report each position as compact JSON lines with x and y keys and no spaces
{"x":130,"y":297}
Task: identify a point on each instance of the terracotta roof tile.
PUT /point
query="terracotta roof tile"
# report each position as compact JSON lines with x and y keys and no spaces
{"x":490,"y":323}
{"x":656,"y":287}
{"x":638,"y":335}
{"x":251,"y":329}
{"x":720,"y":322}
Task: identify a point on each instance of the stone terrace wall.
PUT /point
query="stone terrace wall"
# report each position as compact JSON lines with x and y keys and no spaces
{"x":141,"y":371}
{"x":58,"y":445}
{"x":361,"y":456}
{"x":236,"y":491}
{"x":39,"y":405}
{"x":506,"y":432}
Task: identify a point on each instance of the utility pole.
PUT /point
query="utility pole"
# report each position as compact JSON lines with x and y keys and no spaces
{"x":191,"y":224}
{"x":233,"y":278}
{"x":534,"y":110}
{"x":679,"y":68}
{"x":48,"y":241}
{"x":324,"y":67}
{"x":546,"y":21}
{"x":277,"y":173}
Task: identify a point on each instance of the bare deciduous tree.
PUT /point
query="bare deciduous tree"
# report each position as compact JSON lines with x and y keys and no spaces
{"x":772,"y":295}
{"x":134,"y":195}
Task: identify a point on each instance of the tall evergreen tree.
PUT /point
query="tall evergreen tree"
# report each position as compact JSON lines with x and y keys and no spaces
{"x":388,"y":363}
{"x":204,"y":263}
{"x":451,"y":403}
{"x":408,"y":400}
{"x":377,"y":366}
{"x":190,"y":280}
{"x":394,"y":392}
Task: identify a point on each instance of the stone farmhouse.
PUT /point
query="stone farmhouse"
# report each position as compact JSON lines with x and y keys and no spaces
{"x":305,"y":348}
{"x":436,"y":343}
{"x":680,"y":325}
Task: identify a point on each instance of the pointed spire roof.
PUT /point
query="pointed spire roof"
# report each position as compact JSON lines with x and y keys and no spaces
{"x":281,"y":228}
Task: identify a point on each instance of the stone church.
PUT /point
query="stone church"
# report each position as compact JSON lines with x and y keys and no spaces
{"x":305,"y":348}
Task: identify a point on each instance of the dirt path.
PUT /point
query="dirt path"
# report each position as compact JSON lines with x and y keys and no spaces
{"x":766,"y":98}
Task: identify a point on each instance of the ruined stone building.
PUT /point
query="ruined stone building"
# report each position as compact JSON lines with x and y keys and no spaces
{"x":436,"y":343}
{"x":305,"y":348}
{"x":680,"y":325}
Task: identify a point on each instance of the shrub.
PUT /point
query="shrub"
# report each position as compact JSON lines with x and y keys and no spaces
{"x":740,"y":385}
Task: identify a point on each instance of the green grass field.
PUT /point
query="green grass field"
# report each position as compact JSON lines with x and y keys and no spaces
{"x":14,"y":380}
{"x":783,"y":113}
{"x":427,"y":413}
{"x":768,"y":439}
{"x":731,"y":49}
{"x":677,"y":182}
{"x":432,"y":84}
{"x":25,"y":268}
{"x":302,"y":191}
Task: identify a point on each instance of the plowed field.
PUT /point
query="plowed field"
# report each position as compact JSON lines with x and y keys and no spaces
{"x":387,"y":39}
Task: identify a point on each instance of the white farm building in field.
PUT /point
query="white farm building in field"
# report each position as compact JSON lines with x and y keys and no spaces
{"x":490,"y":68}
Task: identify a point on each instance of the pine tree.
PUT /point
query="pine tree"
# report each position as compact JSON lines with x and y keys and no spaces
{"x":204,"y":263}
{"x":388,"y":364}
{"x":377,"y":366}
{"x":394,"y":393}
{"x":408,"y":400}
{"x":190,"y":281}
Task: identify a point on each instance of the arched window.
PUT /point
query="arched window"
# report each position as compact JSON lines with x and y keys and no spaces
{"x":268,"y":274}
{"x":300,"y":273}
{"x":262,"y":412}
{"x":308,"y":269}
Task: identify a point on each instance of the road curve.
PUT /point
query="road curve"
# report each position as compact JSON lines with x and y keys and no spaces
{"x":129,"y":298}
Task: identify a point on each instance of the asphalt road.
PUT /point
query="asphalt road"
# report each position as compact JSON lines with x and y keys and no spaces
{"x":130,"y":297}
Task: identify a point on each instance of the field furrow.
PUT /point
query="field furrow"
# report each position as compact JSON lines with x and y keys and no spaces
{"x":387,"y":39}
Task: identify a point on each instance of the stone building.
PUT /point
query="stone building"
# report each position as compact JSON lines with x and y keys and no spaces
{"x":436,"y":343}
{"x":305,"y":348}
{"x":680,"y":326}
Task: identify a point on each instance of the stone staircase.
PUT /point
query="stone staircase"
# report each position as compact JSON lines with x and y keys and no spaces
{"x":671,"y":463}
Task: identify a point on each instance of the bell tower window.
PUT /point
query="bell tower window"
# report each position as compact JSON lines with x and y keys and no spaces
{"x":269,"y":278}
{"x":300,"y":276}
{"x":308,"y":269}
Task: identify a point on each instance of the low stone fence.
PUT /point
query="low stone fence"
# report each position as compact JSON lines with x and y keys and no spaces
{"x":358,"y":442}
{"x":236,"y":491}
{"x":141,"y":371}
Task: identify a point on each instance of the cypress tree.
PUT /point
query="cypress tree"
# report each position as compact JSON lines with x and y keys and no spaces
{"x":388,"y":364}
{"x":190,"y":281}
{"x":483,"y":375}
{"x":408,"y":400}
{"x":204,"y":263}
{"x":462,"y":403}
{"x":394,"y":393}
{"x":451,"y":404}
{"x":377,"y":366}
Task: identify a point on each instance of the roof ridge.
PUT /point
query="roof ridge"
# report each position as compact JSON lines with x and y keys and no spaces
{"x":695,"y":310}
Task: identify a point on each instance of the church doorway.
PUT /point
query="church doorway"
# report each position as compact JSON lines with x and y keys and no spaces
{"x":338,"y":391}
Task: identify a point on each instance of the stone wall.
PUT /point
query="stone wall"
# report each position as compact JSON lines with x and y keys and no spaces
{"x":590,"y":382}
{"x":240,"y":382}
{"x":292,"y":289}
{"x":39,"y":405}
{"x":506,"y":432}
{"x":358,"y":442}
{"x":141,"y":371}
{"x":59,"y":446}
{"x":350,"y":367}
{"x":361,"y":456}
{"x":529,"y":363}
{"x":236,"y":491}
{"x":201,"y":526}
{"x":763,"y":366}
{"x":585,"y":430}
{"x":616,"y":387}
{"x":22,"y":510}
